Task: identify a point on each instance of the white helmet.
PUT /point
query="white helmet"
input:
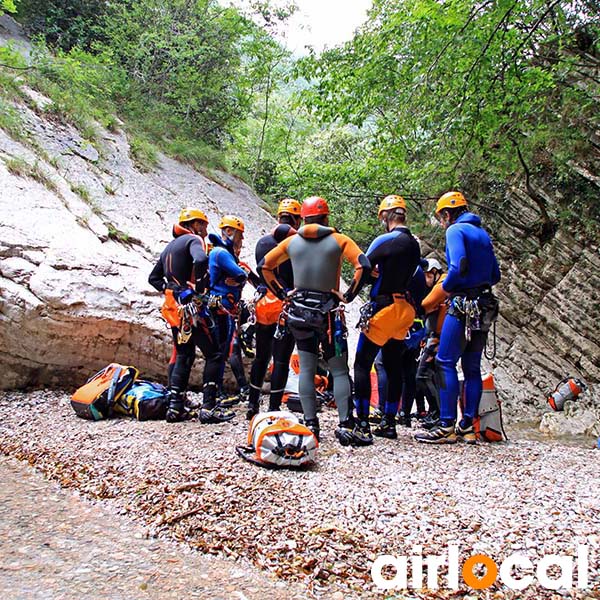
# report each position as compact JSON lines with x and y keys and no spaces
{"x":433,"y":263}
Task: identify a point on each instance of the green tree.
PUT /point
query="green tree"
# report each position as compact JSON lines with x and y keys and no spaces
{"x":64,"y":24}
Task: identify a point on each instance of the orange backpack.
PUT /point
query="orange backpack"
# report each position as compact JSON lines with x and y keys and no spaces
{"x":98,"y":397}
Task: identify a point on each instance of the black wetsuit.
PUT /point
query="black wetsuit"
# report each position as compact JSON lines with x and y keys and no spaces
{"x":266,"y":345}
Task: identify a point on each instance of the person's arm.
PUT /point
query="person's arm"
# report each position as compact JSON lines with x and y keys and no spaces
{"x":200,"y":262}
{"x":270,"y":263}
{"x":458,"y":264}
{"x":231,"y":270}
{"x":361,"y":264}
{"x":157,"y":277}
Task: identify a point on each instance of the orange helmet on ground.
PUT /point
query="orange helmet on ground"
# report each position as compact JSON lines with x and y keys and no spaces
{"x":314,"y":206}
{"x":450,"y":200}
{"x":391,"y":202}
{"x":289,"y":206}
{"x":232,"y":221}
{"x":191,"y":214}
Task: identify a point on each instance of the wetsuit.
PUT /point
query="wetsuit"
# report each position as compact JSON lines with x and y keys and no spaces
{"x":266,"y":324}
{"x":472,"y":270}
{"x":222,"y":265}
{"x":396,"y":255}
{"x":316,"y":254}
{"x":180,"y":270}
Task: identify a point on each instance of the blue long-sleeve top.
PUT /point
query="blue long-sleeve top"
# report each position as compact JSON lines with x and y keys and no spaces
{"x":222,"y":264}
{"x":470,"y":256}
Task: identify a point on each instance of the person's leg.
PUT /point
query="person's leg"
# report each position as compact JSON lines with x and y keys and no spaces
{"x":237,"y":365}
{"x":471,"y":366}
{"x":392,"y":353}
{"x":366,"y":351}
{"x":308,"y":350}
{"x":408,"y":366}
{"x":264,"y":347}
{"x":282,"y":352}
{"x":382,"y":381}
{"x":452,"y":345}
{"x":180,"y":376}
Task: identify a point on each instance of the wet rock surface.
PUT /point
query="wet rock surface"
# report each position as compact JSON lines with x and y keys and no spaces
{"x":319,"y":529}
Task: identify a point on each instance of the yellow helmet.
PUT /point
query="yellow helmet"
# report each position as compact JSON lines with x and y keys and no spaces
{"x":290,"y":206}
{"x":391,"y":202}
{"x":191,"y":214}
{"x":232,"y":221}
{"x":450,"y":200}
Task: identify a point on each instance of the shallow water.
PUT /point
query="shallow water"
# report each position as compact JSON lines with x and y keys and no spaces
{"x":529,"y":430}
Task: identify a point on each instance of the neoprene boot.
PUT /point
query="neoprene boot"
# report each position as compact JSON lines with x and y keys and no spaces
{"x":313,"y":425}
{"x":387,"y":428}
{"x":175,"y":408}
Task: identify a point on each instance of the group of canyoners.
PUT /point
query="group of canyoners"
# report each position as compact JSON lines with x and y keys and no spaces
{"x":298,"y":303}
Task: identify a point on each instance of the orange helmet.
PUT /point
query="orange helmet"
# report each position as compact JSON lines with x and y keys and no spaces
{"x":391,"y":202}
{"x":289,"y":206}
{"x":232,"y":221}
{"x":450,"y":200}
{"x":314,"y":206}
{"x":191,"y":214}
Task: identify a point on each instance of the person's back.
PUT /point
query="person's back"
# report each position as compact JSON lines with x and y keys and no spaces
{"x":316,"y":255}
{"x":470,"y":255}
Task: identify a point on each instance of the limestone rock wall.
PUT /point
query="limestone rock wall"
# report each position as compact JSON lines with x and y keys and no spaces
{"x":73,"y":297}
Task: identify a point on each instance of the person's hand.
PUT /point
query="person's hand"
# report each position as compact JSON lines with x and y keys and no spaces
{"x":185,"y":296}
{"x":231,"y":282}
{"x":339,"y":296}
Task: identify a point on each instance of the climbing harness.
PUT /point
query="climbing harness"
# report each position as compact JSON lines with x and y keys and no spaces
{"x":367,"y":310}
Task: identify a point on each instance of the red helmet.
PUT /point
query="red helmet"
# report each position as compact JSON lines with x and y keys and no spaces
{"x":313,"y":206}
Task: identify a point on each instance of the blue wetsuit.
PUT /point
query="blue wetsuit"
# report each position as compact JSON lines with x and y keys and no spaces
{"x":472,"y":269}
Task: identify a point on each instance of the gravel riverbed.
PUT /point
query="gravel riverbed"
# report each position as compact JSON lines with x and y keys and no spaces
{"x":319,"y":530}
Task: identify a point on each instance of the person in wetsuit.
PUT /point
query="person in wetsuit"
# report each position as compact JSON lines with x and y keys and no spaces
{"x":182,"y":273}
{"x":395,"y":255}
{"x":316,"y":253}
{"x":472,"y":271}
{"x":268,"y":308}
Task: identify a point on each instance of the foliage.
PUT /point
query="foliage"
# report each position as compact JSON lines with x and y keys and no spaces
{"x":456,"y":91}
{"x":65,"y":24}
{"x":7,"y":6}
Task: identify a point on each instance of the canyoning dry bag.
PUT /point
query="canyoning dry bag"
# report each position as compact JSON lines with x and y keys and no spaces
{"x":488,"y":423}
{"x":97,"y":398}
{"x":567,"y":390}
{"x":278,"y":439}
{"x":268,"y":309}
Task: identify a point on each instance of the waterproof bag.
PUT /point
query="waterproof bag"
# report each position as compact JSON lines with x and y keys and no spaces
{"x":97,"y":398}
{"x":277,"y":439}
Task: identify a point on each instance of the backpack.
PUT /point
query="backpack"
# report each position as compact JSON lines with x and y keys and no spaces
{"x":97,"y":398}
{"x":488,"y":423}
{"x":144,"y":400}
{"x":277,"y":439}
{"x":567,"y":390}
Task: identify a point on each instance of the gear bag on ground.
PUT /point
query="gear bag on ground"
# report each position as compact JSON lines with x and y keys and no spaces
{"x":278,"y":439}
{"x":115,"y":390}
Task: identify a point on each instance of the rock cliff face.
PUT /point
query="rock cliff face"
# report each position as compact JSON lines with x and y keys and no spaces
{"x":80,"y":231}
{"x":548,"y":327}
